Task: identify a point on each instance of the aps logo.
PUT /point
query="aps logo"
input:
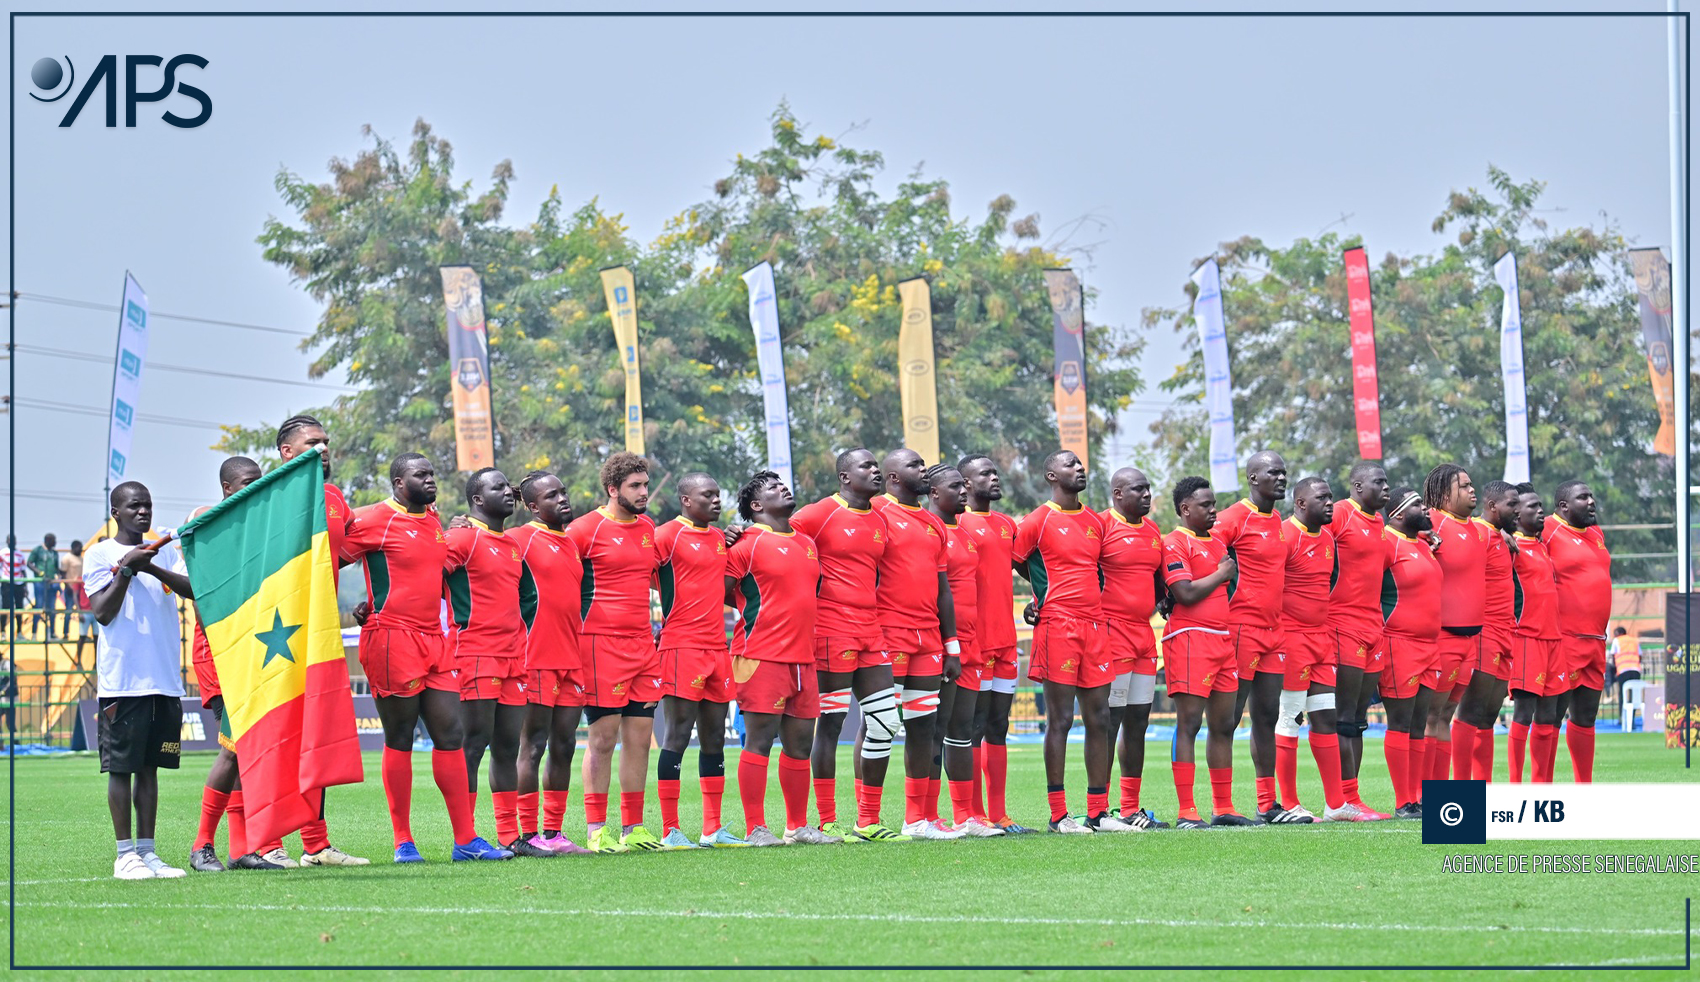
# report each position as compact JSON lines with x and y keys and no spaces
{"x":57,"y":81}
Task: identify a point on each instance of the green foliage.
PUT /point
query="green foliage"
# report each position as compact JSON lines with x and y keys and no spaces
{"x":1591,"y":413}
{"x":368,"y":245}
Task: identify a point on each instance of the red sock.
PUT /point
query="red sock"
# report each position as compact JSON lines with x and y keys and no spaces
{"x":1543,"y":746}
{"x":631,"y":808}
{"x":914,"y":799}
{"x":794,"y":786}
{"x":961,"y":801}
{"x":1097,"y":802}
{"x":713,"y":788}
{"x":1325,"y":747}
{"x":1287,"y":769}
{"x":238,"y":825}
{"x":1265,"y":793}
{"x":934,"y":786}
{"x":314,"y":836}
{"x":1580,"y":740}
{"x":1552,"y":752}
{"x":1130,"y":796}
{"x":1184,"y":774}
{"x":752,"y":789}
{"x":668,"y":792}
{"x":977,"y":799}
{"x":1419,"y":766}
{"x":528,"y":814}
{"x":1481,"y":766}
{"x":1515,"y":742}
{"x":1222,"y":790}
{"x":595,"y":808}
{"x":213,"y":804}
{"x":554,"y":810}
{"x":1059,"y":804}
{"x":1463,"y":749}
{"x":868,"y":803}
{"x":1349,"y":787}
{"x":449,"y":768}
{"x":826,"y":799}
{"x":472,"y":804}
{"x":997,"y":779}
{"x":1437,"y":759}
{"x":506,"y":804}
{"x":398,"y":792}
{"x":1397,"y":746}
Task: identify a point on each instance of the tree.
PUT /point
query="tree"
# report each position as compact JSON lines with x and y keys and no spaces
{"x":368,"y":245}
{"x":1591,"y":414}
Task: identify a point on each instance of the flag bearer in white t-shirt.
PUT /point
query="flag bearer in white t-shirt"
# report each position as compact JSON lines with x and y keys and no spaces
{"x":138,"y":666}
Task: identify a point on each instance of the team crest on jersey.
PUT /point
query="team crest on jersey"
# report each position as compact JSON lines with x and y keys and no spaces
{"x":1208,"y":678}
{"x":619,"y":688}
{"x":514,"y":553}
{"x":413,"y":683}
{"x":645,"y":541}
{"x":809,"y":551}
{"x":877,"y":537}
{"x":1092,"y":533}
{"x":720,"y":548}
{"x":700,"y":682}
{"x":1066,"y":666}
{"x":932,"y":531}
{"x":440,"y":537}
{"x":779,"y":703}
{"x":1304,"y":673}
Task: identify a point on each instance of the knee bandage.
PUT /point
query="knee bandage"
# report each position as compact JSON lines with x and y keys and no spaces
{"x":835,"y":702}
{"x":964,"y":744}
{"x":1119,"y":690}
{"x":1141,"y":690}
{"x":1005,"y":686}
{"x":1317,"y":703}
{"x":918,"y":703}
{"x":1287,"y":720}
{"x":879,"y":724}
{"x":1347,"y":728}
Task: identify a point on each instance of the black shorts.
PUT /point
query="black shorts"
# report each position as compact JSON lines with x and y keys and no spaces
{"x":138,"y":732}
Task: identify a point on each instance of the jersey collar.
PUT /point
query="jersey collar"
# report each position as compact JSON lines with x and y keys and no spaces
{"x":1059,"y":509}
{"x":1300,"y":526}
{"x":399,"y":507}
{"x":1574,"y":528}
{"x":480,"y":525}
{"x":1361,"y":509}
{"x":1118,"y":517}
{"x":1203,"y":538}
{"x":1408,"y":538}
{"x":893,"y":499}
{"x":1529,"y":538}
{"x":847,"y":506}
{"x":609,"y":515}
{"x":541,"y":527}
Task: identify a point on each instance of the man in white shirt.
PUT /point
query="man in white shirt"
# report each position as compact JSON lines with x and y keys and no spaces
{"x":132,"y":590}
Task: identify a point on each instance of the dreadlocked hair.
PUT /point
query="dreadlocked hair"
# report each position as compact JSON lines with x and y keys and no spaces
{"x":747,"y":493}
{"x":1439,"y":484}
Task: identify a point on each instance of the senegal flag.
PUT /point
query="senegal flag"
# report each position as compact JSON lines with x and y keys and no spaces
{"x":265,"y":585}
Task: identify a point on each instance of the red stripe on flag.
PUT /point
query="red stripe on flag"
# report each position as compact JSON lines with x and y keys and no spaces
{"x":304,"y":744}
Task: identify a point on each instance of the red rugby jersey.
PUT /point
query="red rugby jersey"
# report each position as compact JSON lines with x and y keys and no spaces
{"x":482,"y":568}
{"x":339,"y":521}
{"x":1583,"y":567}
{"x":962,"y":560}
{"x":618,"y":557}
{"x":1187,"y":556}
{"x":1258,"y":542}
{"x":1462,"y":553}
{"x":1410,"y":587}
{"x":1497,"y":614}
{"x":692,"y":576}
{"x":549,"y":576}
{"x":909,"y":569}
{"x":1354,"y":603}
{"x":404,"y":565}
{"x":1310,"y":574}
{"x":1061,"y":549}
{"x":776,"y":574}
{"x":1132,"y":559}
{"x":850,"y":542}
{"x":1534,"y":591}
{"x":994,"y":539}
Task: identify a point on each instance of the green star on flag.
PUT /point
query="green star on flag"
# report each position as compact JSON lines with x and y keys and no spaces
{"x":276,"y":640}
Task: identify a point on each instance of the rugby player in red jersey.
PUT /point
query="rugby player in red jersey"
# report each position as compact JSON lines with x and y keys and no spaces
{"x":1256,"y":537}
{"x":1132,"y":564}
{"x":1579,"y":558}
{"x":404,"y":655}
{"x":696,"y":667}
{"x":1462,"y":546}
{"x":918,"y":624}
{"x":953,"y":741}
{"x":772,"y":575}
{"x":1540,"y":682}
{"x":1411,"y":593}
{"x":1199,"y":658}
{"x":1354,"y":615}
{"x":1057,"y":550}
{"x":850,"y":656}
{"x":1478,"y":709}
{"x":994,"y":537}
{"x":1308,"y":683}
{"x":482,"y":569}
{"x":622,"y":669}
{"x":550,"y":572}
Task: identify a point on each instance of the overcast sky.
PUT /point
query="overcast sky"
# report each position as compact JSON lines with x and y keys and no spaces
{"x":1178,"y":132}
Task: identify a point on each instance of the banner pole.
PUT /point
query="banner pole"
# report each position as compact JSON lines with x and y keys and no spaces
{"x":1679,"y":302}
{"x":112,"y":403}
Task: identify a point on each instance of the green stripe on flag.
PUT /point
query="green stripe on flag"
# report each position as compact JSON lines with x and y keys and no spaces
{"x":232,"y":548}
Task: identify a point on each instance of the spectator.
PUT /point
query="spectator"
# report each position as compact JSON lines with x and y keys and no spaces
{"x":70,"y":582}
{"x":1625,"y":654}
{"x":15,"y":598}
{"x":44,"y":564}
{"x":138,"y":672}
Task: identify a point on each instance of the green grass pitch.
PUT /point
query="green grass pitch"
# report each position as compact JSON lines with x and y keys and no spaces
{"x":1368,"y":894}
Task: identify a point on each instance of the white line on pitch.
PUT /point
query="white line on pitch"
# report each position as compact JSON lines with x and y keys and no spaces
{"x":880,"y":918}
